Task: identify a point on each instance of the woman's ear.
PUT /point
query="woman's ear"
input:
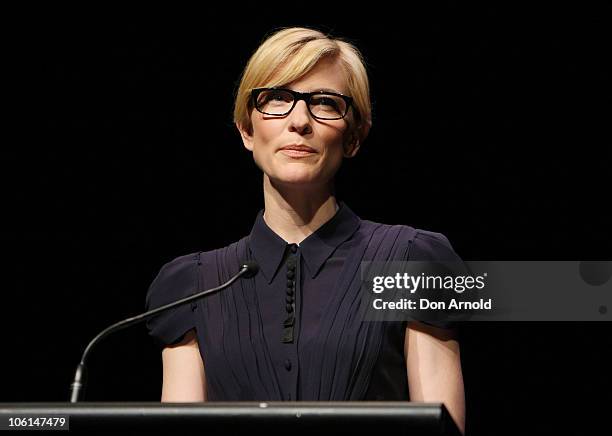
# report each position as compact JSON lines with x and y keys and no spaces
{"x":246,"y":135}
{"x":351,"y":145}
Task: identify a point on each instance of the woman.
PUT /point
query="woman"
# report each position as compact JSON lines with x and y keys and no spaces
{"x":290,"y":332}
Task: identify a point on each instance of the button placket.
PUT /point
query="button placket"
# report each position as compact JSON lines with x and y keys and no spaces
{"x":289,"y":323}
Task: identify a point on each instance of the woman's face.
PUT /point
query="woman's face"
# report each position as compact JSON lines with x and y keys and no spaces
{"x":329,"y":140}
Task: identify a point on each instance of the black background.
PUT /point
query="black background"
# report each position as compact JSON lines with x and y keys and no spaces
{"x":491,"y":125}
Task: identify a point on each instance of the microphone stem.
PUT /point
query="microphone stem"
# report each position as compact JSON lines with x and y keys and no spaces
{"x":79,"y":382}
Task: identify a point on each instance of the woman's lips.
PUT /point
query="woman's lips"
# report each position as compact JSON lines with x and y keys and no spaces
{"x":297,"y":150}
{"x":291,"y":152}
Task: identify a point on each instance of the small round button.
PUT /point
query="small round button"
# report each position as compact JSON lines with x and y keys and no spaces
{"x":290,"y":283}
{"x":288,"y":365}
{"x":289,"y":308}
{"x":289,"y":291}
{"x":293,"y":248}
{"x":290,"y":274}
{"x":289,"y":299}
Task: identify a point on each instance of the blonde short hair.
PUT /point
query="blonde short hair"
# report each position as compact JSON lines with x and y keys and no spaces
{"x":289,"y":54}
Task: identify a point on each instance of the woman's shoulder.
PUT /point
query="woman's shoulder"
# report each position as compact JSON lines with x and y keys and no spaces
{"x":175,"y":279}
{"x":181,"y":274}
{"x":431,"y":245}
{"x":424,"y":244}
{"x":203,"y":256}
{"x":186,"y":262}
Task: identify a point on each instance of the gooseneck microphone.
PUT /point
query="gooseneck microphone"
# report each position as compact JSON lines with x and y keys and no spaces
{"x":247,"y":269}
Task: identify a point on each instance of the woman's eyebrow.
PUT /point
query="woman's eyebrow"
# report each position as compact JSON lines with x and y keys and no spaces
{"x":318,"y":90}
{"x":325,"y":90}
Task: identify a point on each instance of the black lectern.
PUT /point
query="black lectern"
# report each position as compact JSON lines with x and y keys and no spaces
{"x":248,"y":418}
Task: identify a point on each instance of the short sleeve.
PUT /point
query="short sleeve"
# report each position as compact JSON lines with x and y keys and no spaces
{"x":176,"y":279}
{"x":433,"y":246}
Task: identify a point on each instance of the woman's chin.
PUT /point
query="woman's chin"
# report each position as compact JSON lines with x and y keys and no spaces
{"x":297,"y":178}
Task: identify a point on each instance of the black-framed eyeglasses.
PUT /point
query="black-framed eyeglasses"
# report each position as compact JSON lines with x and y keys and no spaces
{"x":322,"y":105}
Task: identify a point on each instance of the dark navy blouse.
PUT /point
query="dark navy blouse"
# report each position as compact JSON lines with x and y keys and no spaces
{"x":294,"y":331}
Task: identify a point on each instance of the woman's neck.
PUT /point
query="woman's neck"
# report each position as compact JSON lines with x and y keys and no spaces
{"x":294,"y":213}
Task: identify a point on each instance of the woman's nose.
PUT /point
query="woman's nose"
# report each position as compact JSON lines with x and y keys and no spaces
{"x":300,"y":117}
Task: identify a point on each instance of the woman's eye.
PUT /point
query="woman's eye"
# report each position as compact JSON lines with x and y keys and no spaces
{"x":325,"y":101}
{"x":279,"y":96}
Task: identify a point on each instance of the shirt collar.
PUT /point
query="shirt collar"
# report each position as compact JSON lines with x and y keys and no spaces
{"x":269,"y":249}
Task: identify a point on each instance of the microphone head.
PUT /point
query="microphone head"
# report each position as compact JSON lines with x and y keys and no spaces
{"x":252,"y":268}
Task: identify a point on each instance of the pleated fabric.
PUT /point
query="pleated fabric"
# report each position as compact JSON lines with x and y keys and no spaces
{"x":340,"y":356}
